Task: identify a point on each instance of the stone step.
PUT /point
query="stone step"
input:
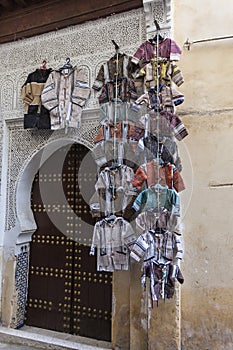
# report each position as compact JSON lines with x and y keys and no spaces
{"x":45,"y":339}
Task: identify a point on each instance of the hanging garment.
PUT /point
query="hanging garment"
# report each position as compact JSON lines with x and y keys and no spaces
{"x":130,"y":153}
{"x":162,"y":72}
{"x":134,"y":154}
{"x":35,"y":115}
{"x":152,"y":173}
{"x":117,"y":111}
{"x":111,"y":130}
{"x":112,"y":239}
{"x":162,"y":280}
{"x":168,"y":125}
{"x":158,"y":245}
{"x":160,"y":129}
{"x":116,"y":83}
{"x":158,"y":218}
{"x":158,"y":196}
{"x":161,"y":251}
{"x":122,"y":89}
{"x":113,"y":191}
{"x":105,"y":153}
{"x":147,"y":50}
{"x":180,"y":131}
{"x":167,"y":99}
{"x":64,"y":95}
{"x":121,"y":130}
{"x":152,"y":219}
{"x":167,"y":149}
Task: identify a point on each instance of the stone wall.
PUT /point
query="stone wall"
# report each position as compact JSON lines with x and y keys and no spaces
{"x":206,"y":296}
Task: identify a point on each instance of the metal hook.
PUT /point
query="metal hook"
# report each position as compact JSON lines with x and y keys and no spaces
{"x":187,"y":44}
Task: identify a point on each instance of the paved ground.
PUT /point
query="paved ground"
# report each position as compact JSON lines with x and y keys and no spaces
{"x":5,"y":346}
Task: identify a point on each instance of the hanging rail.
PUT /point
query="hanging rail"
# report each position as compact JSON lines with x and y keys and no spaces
{"x":188,"y":43}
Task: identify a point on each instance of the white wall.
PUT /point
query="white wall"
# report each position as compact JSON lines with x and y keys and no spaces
{"x":207,"y":294}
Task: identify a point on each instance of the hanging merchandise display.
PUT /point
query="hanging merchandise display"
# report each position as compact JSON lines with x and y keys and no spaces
{"x":36,"y":116}
{"x":64,"y":95}
{"x":114,"y":193}
{"x":176,"y":125}
{"x":161,"y":218}
{"x":167,"y":147}
{"x":120,"y":130}
{"x":136,"y":201}
{"x":139,"y":179}
{"x":158,"y":180}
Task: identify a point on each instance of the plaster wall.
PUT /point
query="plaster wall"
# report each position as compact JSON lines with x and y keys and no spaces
{"x":206,"y":296}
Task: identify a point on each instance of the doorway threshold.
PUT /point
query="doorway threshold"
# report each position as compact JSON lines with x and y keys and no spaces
{"x":45,"y":339}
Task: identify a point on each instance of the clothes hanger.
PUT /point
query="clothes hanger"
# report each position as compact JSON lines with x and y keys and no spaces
{"x":67,"y":65}
{"x":117,"y":48}
{"x":116,"y":45}
{"x":114,"y":166}
{"x":158,"y":186}
{"x":111,"y":218}
{"x":43,"y":65}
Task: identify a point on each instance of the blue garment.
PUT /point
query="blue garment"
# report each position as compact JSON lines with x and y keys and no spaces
{"x":158,"y":196}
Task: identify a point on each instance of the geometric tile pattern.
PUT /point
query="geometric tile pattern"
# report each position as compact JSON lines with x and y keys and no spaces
{"x":21,"y":284}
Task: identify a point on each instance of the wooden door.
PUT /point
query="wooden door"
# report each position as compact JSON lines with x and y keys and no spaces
{"x":65,"y":291}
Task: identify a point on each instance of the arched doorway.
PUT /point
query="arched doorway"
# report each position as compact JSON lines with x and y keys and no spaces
{"x":65,"y":292}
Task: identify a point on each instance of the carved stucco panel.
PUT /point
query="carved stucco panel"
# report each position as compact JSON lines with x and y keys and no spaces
{"x":7,"y":95}
{"x":161,"y":11}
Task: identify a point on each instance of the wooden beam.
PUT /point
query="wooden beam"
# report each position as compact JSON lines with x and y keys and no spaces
{"x":21,"y":2}
{"x":53,"y":15}
{"x":7,"y":4}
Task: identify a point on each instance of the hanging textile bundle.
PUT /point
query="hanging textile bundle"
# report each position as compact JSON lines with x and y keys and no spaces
{"x":138,"y":121}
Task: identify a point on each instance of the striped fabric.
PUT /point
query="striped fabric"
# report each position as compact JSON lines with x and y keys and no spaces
{"x":156,"y":245}
{"x":65,"y":95}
